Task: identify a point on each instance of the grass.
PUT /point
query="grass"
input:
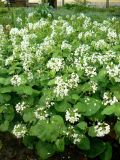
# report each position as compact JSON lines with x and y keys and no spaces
{"x":7,"y":16}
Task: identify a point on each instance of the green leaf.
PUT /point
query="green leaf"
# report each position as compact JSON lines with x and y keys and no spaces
{"x":116,"y":91}
{"x":7,"y":89}
{"x":4,"y":126}
{"x":107,"y":154}
{"x":91,"y":132}
{"x":84,"y":143}
{"x":117,"y":128}
{"x":51,"y":82}
{"x":114,"y":109}
{"x":48,"y":131}
{"x":109,"y":110}
{"x":75,"y":97}
{"x":45,"y":150}
{"x":4,"y":81}
{"x":82,"y":125}
{"x":101,"y":76}
{"x":29,"y":141}
{"x":60,"y":144}
{"x":25,"y":90}
{"x":81,"y":106}
{"x":9,"y":113}
{"x":28,"y":115}
{"x":62,"y":106}
{"x":93,"y":105}
{"x":97,"y":147}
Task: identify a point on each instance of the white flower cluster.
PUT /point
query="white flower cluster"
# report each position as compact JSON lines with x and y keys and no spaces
{"x":19,"y":20}
{"x":14,"y":32}
{"x":114,"y":71}
{"x":68,"y":29}
{"x":61,"y":89}
{"x":86,"y":35}
{"x":40,"y":113}
{"x":73,"y":81}
{"x":19,"y":130}
{"x":108,"y":99}
{"x":49,"y":103}
{"x":90,"y":71}
{"x":102,"y":129}
{"x":81,"y":50}
{"x":73,"y":135}
{"x":100,"y":44}
{"x":16,"y":80}
{"x":37,"y":25}
{"x":112,"y":35}
{"x":4,"y":1}
{"x":9,"y":60}
{"x":56,"y":64}
{"x":66,"y":45}
{"x":72,"y":115}
{"x":20,"y":107}
{"x":94,"y":86}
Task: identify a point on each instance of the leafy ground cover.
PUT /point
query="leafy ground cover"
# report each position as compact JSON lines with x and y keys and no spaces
{"x":59,"y":82}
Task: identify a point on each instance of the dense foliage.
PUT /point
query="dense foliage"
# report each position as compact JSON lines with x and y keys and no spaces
{"x":59,"y":83}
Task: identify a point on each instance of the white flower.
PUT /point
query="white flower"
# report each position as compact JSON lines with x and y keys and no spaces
{"x":81,"y":50}
{"x":94,"y":86}
{"x":55,"y":64}
{"x":90,"y":71}
{"x":102,"y":129}
{"x":112,"y":35}
{"x":20,"y":107}
{"x":48,"y":103}
{"x":72,"y":115}
{"x":114,"y":72}
{"x":4,"y":1}
{"x":101,"y":44}
{"x":80,"y":35}
{"x":66,"y":45}
{"x":19,"y":20}
{"x":108,"y":99}
{"x":16,"y":80}
{"x":73,"y":81}
{"x":73,"y":135}
{"x":61,"y":89}
{"x":9,"y":60}
{"x":19,"y":130}
{"x":41,"y":113}
{"x":14,"y":31}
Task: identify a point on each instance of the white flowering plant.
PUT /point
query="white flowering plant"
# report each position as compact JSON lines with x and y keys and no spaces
{"x":60,"y":83}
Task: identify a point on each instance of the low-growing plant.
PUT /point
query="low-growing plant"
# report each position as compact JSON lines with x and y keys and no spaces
{"x":59,"y":84}
{"x":42,"y":10}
